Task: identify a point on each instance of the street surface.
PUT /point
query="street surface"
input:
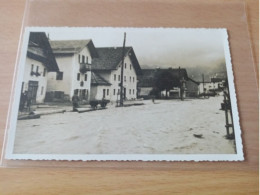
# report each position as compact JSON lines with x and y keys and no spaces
{"x":166,"y":127}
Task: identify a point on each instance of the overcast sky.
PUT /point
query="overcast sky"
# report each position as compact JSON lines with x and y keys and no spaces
{"x":157,"y":47}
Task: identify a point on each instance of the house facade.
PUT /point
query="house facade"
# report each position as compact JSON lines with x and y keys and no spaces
{"x":40,"y":62}
{"x":216,"y":84}
{"x":74,"y":58}
{"x":208,"y":87}
{"x":108,"y":67}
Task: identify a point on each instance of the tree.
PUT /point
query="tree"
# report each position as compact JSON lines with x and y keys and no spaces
{"x":164,"y":81}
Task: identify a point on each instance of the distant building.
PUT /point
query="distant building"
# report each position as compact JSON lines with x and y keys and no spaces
{"x":100,"y":88}
{"x":40,"y":62}
{"x":106,"y":74}
{"x":207,"y":87}
{"x":147,"y":82}
{"x":192,"y":88}
{"x":74,"y":58}
{"x":215,"y":84}
{"x":219,"y":80}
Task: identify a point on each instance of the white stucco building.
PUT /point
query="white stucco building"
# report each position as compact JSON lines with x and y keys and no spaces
{"x":74,"y":58}
{"x":40,"y":62}
{"x":207,"y":87}
{"x":107,"y":74}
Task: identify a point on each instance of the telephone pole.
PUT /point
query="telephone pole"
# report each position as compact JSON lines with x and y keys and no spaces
{"x":122,"y":73}
{"x":204,"y":91}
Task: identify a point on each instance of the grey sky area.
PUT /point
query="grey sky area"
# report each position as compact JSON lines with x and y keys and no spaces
{"x":157,"y":47}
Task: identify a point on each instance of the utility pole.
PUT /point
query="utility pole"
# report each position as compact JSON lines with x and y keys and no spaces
{"x":122,"y":73}
{"x":204,"y":91}
{"x":179,"y":77}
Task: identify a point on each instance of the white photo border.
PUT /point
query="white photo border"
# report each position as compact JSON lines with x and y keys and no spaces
{"x":9,"y":141}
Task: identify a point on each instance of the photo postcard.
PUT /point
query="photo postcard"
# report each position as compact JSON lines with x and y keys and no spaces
{"x":149,"y":94}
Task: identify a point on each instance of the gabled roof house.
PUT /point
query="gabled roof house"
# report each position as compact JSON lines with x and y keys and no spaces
{"x":106,"y":69}
{"x":40,"y":62}
{"x":74,"y":58}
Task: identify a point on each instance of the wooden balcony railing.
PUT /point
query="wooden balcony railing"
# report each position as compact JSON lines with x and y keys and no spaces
{"x":84,"y":67}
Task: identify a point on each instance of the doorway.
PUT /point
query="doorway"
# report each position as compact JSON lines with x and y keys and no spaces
{"x":104,"y":93}
{"x":124,"y":93}
{"x":32,"y":91}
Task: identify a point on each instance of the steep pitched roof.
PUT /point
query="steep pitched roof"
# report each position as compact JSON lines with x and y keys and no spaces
{"x":73,"y":46}
{"x":39,"y":49}
{"x":149,"y":75}
{"x":110,"y":57}
{"x":193,"y":81}
{"x":217,"y":79}
{"x":96,"y":79}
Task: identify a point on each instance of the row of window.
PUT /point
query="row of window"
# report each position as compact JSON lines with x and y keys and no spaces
{"x":117,"y":92}
{"x":83,"y":59}
{"x":37,"y":71}
{"x":130,"y":91}
{"x":130,"y":66}
{"x":131,"y":79}
{"x":82,"y":93}
{"x":85,"y":77}
{"x":59,"y":76}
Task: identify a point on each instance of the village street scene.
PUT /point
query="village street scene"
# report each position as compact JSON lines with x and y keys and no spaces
{"x":123,"y":94}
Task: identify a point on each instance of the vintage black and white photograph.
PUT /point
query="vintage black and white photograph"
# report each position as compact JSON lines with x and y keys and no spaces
{"x":124,"y":94}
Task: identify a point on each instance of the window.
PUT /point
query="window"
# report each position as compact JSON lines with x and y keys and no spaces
{"x":79,"y":58}
{"x":32,"y":67}
{"x":44,"y":72}
{"x":118,"y":92}
{"x":130,"y":91}
{"x":83,"y":59}
{"x":114,"y":77}
{"x":76,"y":91}
{"x":86,"y":96}
{"x":124,"y":78}
{"x":130,"y":66}
{"x":125,"y":65}
{"x":83,"y":93}
{"x":118,"y":77}
{"x":42,"y":90}
{"x":133,"y":79}
{"x":87,"y":59}
{"x":78,"y":76}
{"x":86,"y":77}
{"x":104,"y":93}
{"x":130,"y":79}
{"x":114,"y":91}
{"x":133,"y":91}
{"x":35,"y":73}
{"x":59,"y":76}
{"x":107,"y":91}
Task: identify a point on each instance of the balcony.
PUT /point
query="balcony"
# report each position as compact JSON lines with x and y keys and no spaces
{"x":84,"y":67}
{"x":35,"y":73}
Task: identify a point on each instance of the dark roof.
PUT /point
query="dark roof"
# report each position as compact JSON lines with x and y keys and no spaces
{"x":39,"y":49}
{"x":217,"y":79}
{"x":73,"y":46}
{"x":96,"y":79}
{"x":110,"y":57}
{"x":147,"y":79}
{"x":193,"y":81}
